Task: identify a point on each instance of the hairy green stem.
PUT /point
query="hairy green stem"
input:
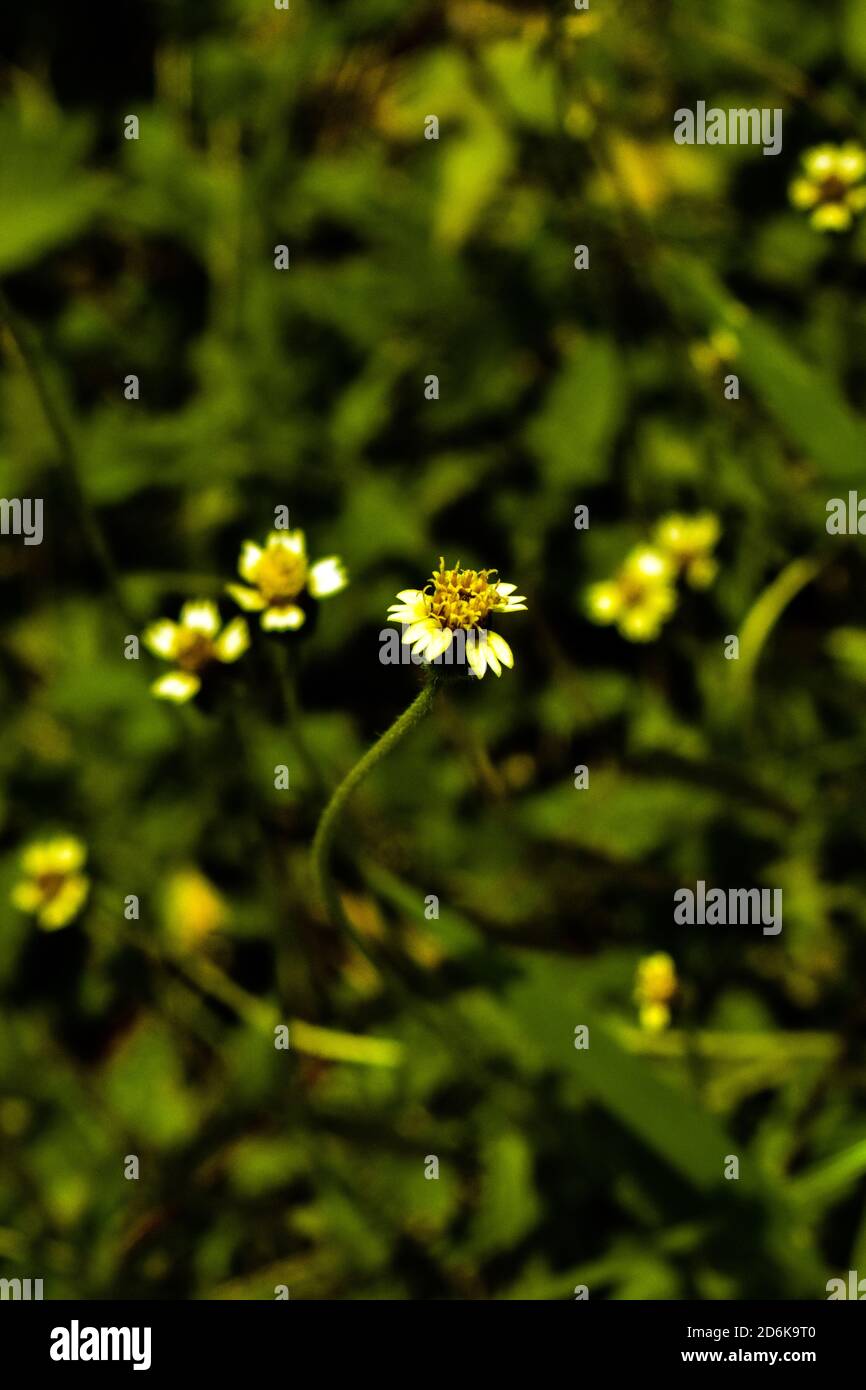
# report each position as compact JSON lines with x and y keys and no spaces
{"x":327,"y":827}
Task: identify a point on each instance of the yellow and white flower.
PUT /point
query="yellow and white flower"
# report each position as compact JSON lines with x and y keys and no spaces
{"x":53,"y":888}
{"x":655,"y":986}
{"x":639,"y":598}
{"x":454,"y":600}
{"x":278,"y":573}
{"x":192,"y":644}
{"x":831,"y":187}
{"x":689,"y":541}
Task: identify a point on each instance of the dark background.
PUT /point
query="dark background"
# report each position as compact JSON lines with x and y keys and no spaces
{"x":258,"y":388}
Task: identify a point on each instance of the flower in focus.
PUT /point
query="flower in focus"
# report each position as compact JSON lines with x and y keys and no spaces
{"x":277,"y":574}
{"x":639,"y":598}
{"x":192,"y":644}
{"x":655,"y":985}
{"x":689,"y":541}
{"x":53,"y":888}
{"x":831,"y":186}
{"x":454,"y":600}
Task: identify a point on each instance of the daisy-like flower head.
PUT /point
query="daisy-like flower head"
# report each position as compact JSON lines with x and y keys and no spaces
{"x":655,"y":986}
{"x":53,"y":888}
{"x":831,"y":187}
{"x":278,"y":573}
{"x":192,"y":644}
{"x":689,"y":541}
{"x":454,"y":600}
{"x":639,"y":598}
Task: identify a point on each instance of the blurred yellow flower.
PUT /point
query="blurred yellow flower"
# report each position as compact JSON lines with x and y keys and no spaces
{"x":192,"y":644}
{"x":278,"y":573}
{"x":53,"y":888}
{"x":831,"y":186}
{"x":639,"y":598}
{"x":689,"y":541}
{"x":457,"y":599}
{"x":192,"y":908}
{"x":655,"y":985}
{"x":721,"y":348}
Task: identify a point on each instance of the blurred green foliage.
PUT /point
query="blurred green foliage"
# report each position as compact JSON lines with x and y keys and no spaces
{"x":410,"y":257}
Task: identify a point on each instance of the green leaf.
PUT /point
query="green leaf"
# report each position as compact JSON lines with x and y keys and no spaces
{"x":44,"y":198}
{"x":548,"y":1004}
{"x":832,"y":1178}
{"x":619,"y":816}
{"x":573,"y":433}
{"x":144,"y":1086}
{"x":805,"y":403}
{"x":508,"y":1205}
{"x":854,"y":34}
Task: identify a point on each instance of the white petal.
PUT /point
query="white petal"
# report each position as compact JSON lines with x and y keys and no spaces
{"x":439,"y":643}
{"x":161,"y":638}
{"x":177,"y":686}
{"x":427,"y":627}
{"x":500,"y":648}
{"x":327,"y":577}
{"x":233,"y":641}
{"x":250,"y":600}
{"x":407,"y":613}
{"x":201,"y":615}
{"x":490,"y":655}
{"x":475,"y":655}
{"x":282,"y":618}
{"x":248,"y":564}
{"x":287,"y":540}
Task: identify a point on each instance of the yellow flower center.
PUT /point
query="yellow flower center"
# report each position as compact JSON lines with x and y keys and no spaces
{"x":194,"y":649}
{"x":461,"y":598}
{"x":280,"y":574}
{"x":635,"y":587}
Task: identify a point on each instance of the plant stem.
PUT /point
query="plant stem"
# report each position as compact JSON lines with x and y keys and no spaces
{"x":66,"y":451}
{"x":327,"y":826}
{"x":763,"y":615}
{"x":288,"y":683}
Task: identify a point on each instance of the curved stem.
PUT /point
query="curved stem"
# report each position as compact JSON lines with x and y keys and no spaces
{"x":327,"y":826}
{"x":765,"y":613}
